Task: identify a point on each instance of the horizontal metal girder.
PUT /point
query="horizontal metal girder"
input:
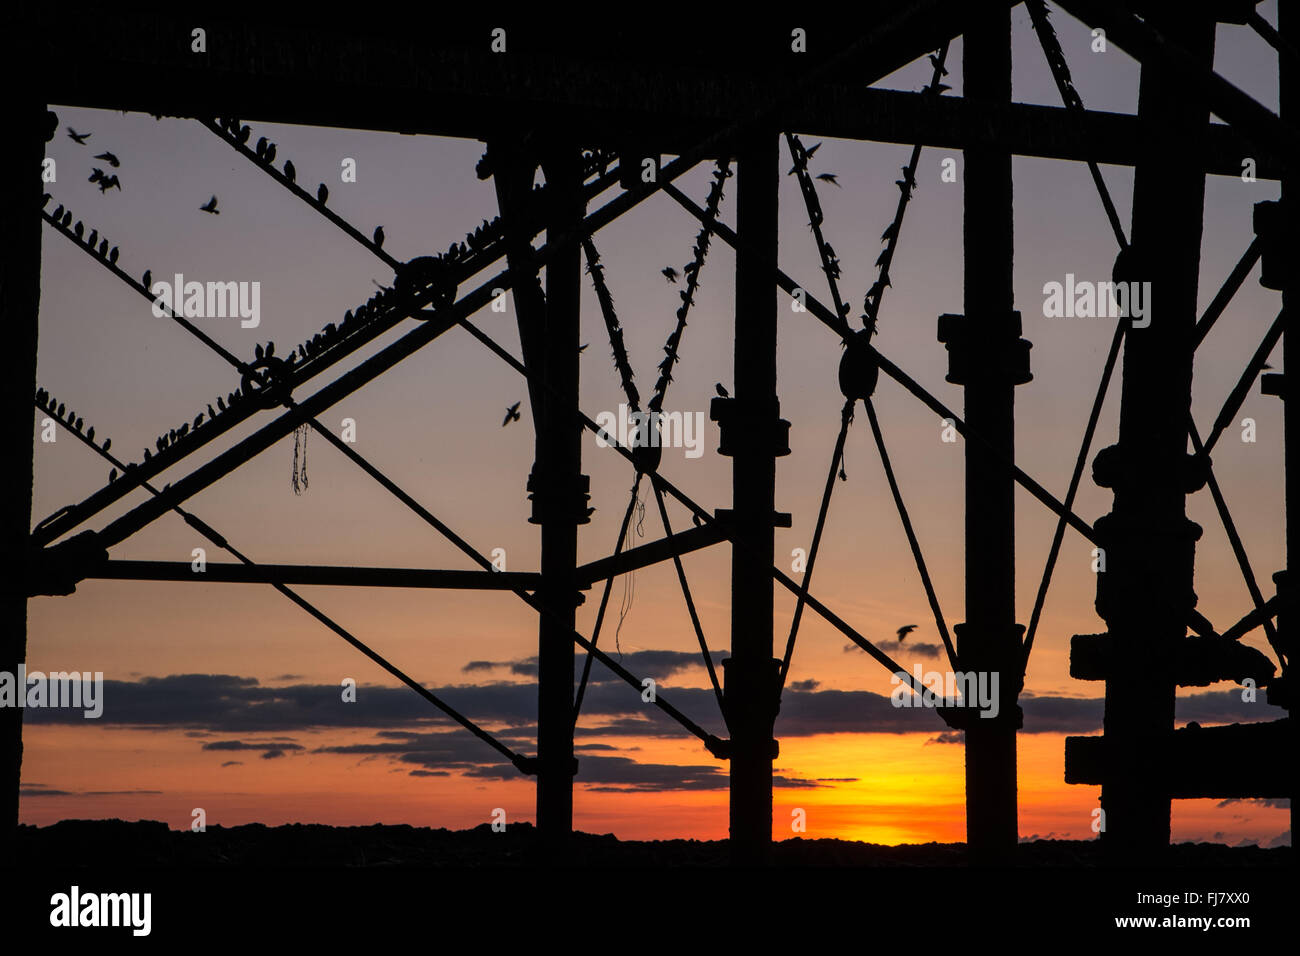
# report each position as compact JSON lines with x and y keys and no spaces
{"x":317,"y":574}
{"x":672,"y":546}
{"x":1238,"y":760}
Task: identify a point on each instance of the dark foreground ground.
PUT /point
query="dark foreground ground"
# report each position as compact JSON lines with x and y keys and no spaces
{"x":152,"y":844}
{"x":384,"y":883}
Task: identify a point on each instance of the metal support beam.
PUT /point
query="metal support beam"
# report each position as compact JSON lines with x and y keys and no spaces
{"x":559,"y":493}
{"x":330,"y":576}
{"x":672,"y":546}
{"x":1148,"y":539}
{"x":985,"y":348}
{"x":20,"y":293}
{"x":751,"y":673}
{"x":1288,"y":580}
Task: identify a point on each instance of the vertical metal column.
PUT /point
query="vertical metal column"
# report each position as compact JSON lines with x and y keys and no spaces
{"x":20,"y":292}
{"x":559,"y":495}
{"x":1145,"y":595}
{"x":989,"y":358}
{"x":751,"y":672}
{"x":1289,"y":90}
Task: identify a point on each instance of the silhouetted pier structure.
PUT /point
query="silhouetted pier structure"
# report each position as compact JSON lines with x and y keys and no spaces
{"x":590,"y":106}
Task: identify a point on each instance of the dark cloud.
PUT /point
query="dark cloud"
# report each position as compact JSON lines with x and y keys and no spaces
{"x":269,"y":750}
{"x":40,"y":790}
{"x":233,"y":763}
{"x":805,"y":685}
{"x":228,"y":704}
{"x":656,"y":664}
{"x":947,"y":737}
{"x":1282,"y":839}
{"x":1281,"y":803}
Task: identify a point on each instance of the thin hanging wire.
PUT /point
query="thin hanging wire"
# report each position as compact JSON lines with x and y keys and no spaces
{"x":299,"y":479}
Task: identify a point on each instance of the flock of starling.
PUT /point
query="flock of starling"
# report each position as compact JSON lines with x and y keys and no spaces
{"x":59,"y":410}
{"x":478,"y":241}
{"x":105,"y":181}
{"x":94,"y":242}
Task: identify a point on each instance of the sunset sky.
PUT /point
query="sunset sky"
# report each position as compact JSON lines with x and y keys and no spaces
{"x":227,"y":697}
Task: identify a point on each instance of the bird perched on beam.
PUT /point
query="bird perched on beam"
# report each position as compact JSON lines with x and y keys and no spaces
{"x":722,"y":391}
{"x":379,"y":236}
{"x":289,"y":172}
{"x":322,"y":194}
{"x":512,"y":414}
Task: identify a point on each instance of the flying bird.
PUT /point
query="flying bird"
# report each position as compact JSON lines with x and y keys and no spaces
{"x":512,"y":414}
{"x":807,"y":155}
{"x":110,"y":182}
{"x":96,"y":174}
{"x":583,"y":348}
{"x":905,"y":630}
{"x":722,"y":391}
{"x":669,"y":273}
{"x":829,"y":178}
{"x":934,"y":62}
{"x":211,"y":206}
{"x":110,"y":159}
{"x":78,"y":138}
